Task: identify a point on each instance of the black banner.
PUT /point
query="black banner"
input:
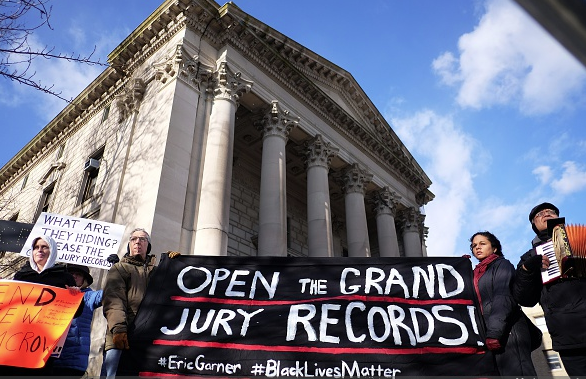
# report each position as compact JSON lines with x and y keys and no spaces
{"x":309,"y":317}
{"x":13,"y":235}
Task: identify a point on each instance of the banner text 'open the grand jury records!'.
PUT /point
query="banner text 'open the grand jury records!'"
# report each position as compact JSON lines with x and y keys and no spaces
{"x":304,"y":317}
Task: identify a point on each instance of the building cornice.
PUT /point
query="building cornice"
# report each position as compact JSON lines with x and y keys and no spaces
{"x":294,"y":66}
{"x":298,"y":68}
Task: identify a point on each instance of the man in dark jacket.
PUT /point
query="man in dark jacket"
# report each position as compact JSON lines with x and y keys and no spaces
{"x":563,"y":301}
{"x":124,"y":290}
{"x":125,"y":287}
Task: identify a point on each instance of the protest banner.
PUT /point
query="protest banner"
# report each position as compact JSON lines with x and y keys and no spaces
{"x":308,"y":317}
{"x":33,"y":317}
{"x":80,"y":241}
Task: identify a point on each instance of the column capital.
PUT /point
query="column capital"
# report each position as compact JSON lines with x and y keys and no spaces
{"x":355,"y":179}
{"x":129,"y":100}
{"x":230,"y":85}
{"x":411,"y":218}
{"x":385,"y":202}
{"x":319,"y":152}
{"x":276,"y":122}
{"x":183,"y":66}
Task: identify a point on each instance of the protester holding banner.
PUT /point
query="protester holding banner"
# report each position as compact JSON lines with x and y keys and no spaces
{"x":124,"y":290}
{"x":563,"y":301}
{"x":73,"y":360}
{"x":41,"y":269}
{"x":507,"y":328}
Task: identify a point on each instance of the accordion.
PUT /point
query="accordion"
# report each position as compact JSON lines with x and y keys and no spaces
{"x":566,"y":251}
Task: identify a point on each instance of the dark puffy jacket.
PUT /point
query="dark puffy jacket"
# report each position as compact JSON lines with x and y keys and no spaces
{"x":56,"y":276}
{"x":124,"y":290}
{"x":77,"y":345}
{"x":563,"y":302}
{"x":504,"y":321}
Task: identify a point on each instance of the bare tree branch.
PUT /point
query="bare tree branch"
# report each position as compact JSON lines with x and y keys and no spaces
{"x":17,"y":54}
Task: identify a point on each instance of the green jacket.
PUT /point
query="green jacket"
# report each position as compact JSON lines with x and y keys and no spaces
{"x":125,"y":288}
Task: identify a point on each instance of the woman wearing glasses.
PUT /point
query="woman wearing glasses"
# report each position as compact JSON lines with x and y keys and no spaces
{"x":42,"y":269}
{"x":507,"y":329}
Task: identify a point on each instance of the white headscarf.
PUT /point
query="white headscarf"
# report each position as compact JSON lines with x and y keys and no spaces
{"x":52,"y":253}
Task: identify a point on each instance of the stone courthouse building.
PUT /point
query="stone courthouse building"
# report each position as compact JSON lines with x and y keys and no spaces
{"x":222,"y":136}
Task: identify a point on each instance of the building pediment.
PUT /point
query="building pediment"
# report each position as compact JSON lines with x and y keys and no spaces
{"x":330,"y":90}
{"x":326,"y":88}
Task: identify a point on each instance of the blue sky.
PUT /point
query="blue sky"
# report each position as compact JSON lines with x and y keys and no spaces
{"x":489,"y":104}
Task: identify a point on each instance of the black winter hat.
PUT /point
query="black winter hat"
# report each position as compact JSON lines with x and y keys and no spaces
{"x":83,"y":270}
{"x":538,"y":208}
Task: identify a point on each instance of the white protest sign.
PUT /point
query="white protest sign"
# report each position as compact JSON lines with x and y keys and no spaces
{"x":80,"y":241}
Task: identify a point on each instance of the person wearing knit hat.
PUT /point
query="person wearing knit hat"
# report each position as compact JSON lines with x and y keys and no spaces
{"x":73,"y":360}
{"x":563,"y":300}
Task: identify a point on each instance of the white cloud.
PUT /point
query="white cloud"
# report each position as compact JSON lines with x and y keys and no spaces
{"x":573,"y":179}
{"x":543,"y":174}
{"x":446,"y":153}
{"x":509,"y":59}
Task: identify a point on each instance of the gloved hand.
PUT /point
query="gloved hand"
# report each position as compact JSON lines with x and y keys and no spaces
{"x":121,"y":341}
{"x":534,"y":263}
{"x":113,"y":258}
{"x":173,"y":254}
{"x":493,"y":344}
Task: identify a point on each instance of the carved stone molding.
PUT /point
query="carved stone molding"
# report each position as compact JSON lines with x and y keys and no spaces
{"x":53,"y":173}
{"x":276,"y":122}
{"x":385,"y":202}
{"x":411,"y":218}
{"x":181,"y":65}
{"x":230,"y":85}
{"x":355,"y":179}
{"x":319,"y":153}
{"x":129,"y":100}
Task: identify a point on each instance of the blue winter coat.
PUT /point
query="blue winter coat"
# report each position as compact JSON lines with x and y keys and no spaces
{"x":77,"y":345}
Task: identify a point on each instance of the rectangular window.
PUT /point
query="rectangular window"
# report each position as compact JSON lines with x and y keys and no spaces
{"x":553,"y":360}
{"x":540,"y":322}
{"x":91,"y":169}
{"x":46,"y":200}
{"x":24,"y":182}
{"x":105,"y":114}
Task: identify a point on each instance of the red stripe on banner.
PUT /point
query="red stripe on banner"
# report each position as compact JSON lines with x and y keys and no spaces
{"x":362,"y":298}
{"x":322,"y":350}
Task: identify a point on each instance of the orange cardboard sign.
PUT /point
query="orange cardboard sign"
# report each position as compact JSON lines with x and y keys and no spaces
{"x":32,"y":319}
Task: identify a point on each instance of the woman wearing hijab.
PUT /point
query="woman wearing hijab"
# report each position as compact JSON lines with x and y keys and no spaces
{"x":41,"y":269}
{"x":507,"y":331}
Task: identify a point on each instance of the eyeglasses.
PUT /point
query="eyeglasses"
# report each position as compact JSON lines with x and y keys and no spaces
{"x":546,"y":212}
{"x":141,"y":239}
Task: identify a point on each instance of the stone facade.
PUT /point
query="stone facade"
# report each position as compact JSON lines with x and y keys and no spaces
{"x":222,"y":136}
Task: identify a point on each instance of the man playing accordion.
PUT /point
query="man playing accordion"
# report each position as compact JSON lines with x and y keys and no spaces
{"x":563,"y":300}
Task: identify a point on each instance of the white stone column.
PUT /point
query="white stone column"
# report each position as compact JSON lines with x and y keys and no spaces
{"x":214,"y":207}
{"x":319,"y":221}
{"x":204,"y":106}
{"x":272,"y":233}
{"x":411,"y":222}
{"x":385,"y":207}
{"x":355,"y":181}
